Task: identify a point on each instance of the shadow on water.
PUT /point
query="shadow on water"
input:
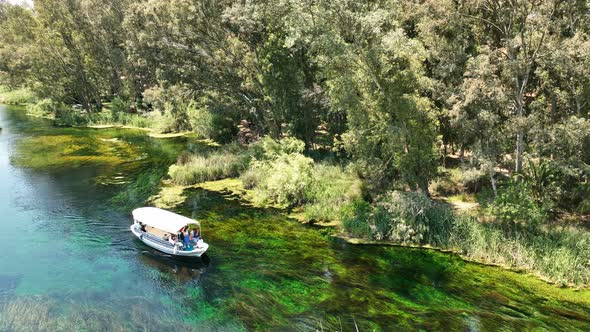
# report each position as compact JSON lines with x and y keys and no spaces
{"x":184,"y":270}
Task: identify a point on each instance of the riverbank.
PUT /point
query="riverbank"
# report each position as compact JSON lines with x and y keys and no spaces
{"x":267,"y":271}
{"x":553,"y":255}
{"x":113,"y":114}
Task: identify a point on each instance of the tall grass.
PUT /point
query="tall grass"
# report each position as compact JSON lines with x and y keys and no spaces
{"x":561,"y":255}
{"x":16,"y":97}
{"x":217,"y":165}
{"x":66,"y":115}
{"x":331,"y":188}
{"x":70,"y":117}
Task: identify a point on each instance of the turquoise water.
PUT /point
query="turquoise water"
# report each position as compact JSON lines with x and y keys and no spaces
{"x":69,"y":262}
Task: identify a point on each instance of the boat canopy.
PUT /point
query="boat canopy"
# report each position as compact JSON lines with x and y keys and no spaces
{"x":162,"y":219}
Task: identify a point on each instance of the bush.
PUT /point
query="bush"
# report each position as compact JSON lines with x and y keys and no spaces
{"x":283,"y":181}
{"x":119,"y":106}
{"x":414,"y":218}
{"x":134,"y":120}
{"x":474,"y":179}
{"x":68,"y":116}
{"x":280,"y":174}
{"x":408,"y":218}
{"x":163,"y":123}
{"x":201,"y":120}
{"x":514,"y":204}
{"x":171,"y":105}
{"x":559,"y":254}
{"x":45,"y":108}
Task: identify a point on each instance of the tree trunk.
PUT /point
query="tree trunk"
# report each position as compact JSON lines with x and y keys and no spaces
{"x":519,"y":150}
{"x":519,"y":102}
{"x":462,"y":157}
{"x":493,"y":180}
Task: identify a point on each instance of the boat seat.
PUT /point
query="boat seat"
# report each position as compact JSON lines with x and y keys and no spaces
{"x":155,"y":231}
{"x":158,"y":240}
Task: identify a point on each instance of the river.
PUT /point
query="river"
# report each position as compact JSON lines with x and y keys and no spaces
{"x":69,"y":262}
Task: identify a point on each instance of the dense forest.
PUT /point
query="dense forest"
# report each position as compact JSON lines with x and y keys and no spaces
{"x":364,"y":110}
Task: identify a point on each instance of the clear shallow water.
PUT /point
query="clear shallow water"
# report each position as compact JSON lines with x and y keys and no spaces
{"x":68,"y":261}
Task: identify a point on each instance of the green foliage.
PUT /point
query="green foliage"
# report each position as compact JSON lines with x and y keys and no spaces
{"x":404,"y":217}
{"x":201,"y":120}
{"x":515,"y":204}
{"x":119,"y":105}
{"x":268,"y":148}
{"x":171,"y":104}
{"x":45,"y":108}
{"x":356,"y":218}
{"x":559,"y":254}
{"x":16,"y":97}
{"x":281,"y":175}
{"x":215,"y":166}
{"x":530,"y":198}
{"x":331,"y":188}
{"x":413,"y":218}
{"x":283,"y":180}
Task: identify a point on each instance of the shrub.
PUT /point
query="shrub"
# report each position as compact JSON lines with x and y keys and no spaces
{"x":283,"y":181}
{"x":134,"y":120}
{"x":171,"y":105}
{"x":280,"y":174}
{"x":252,"y":177}
{"x":201,"y":120}
{"x":413,"y":217}
{"x":119,"y":106}
{"x":560,"y":254}
{"x":474,"y":179}
{"x":67,"y":116}
{"x":515,"y":204}
{"x":45,"y":108}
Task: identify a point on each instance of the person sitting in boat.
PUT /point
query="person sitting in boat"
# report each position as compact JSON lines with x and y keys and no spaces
{"x":187,"y":241}
{"x":196,"y":238}
{"x":172,"y":239}
{"x":142,"y":227}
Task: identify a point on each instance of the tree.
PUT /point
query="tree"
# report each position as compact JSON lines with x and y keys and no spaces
{"x":517,"y":30}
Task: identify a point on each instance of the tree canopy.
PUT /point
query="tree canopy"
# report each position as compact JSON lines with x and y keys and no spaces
{"x":393,"y":86}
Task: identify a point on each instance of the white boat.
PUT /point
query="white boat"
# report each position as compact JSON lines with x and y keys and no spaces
{"x":154,"y":226}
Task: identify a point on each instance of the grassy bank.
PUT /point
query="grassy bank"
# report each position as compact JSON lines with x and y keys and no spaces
{"x":114,"y":113}
{"x":277,"y":175}
{"x":557,"y":254}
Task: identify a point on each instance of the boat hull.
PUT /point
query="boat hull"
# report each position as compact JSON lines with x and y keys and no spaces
{"x":164,"y":246}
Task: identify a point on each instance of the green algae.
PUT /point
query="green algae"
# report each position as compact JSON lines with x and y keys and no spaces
{"x":63,"y":150}
{"x":372,"y":287}
{"x":267,"y":271}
